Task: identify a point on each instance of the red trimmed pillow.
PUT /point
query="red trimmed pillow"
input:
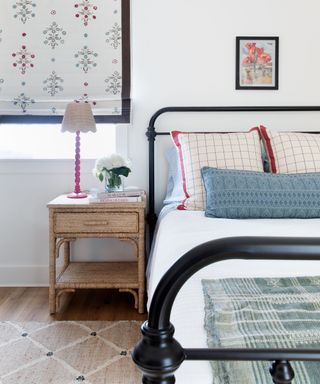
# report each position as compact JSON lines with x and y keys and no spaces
{"x":238,"y":150}
{"x":291,"y":152}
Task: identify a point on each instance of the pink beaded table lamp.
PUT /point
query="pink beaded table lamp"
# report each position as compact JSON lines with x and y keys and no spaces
{"x":78,"y":118}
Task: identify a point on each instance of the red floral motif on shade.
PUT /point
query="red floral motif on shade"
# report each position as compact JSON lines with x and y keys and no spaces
{"x":85,"y":11}
{"x":23,"y":59}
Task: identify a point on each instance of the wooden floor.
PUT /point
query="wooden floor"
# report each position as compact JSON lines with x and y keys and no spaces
{"x":31,"y":304}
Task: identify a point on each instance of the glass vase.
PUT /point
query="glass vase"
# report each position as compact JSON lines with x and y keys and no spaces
{"x":113,"y":183}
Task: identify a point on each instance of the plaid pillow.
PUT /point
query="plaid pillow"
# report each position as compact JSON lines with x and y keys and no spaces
{"x":291,"y":152}
{"x":240,"y":150}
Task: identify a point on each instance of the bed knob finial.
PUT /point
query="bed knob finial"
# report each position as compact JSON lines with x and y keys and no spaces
{"x":281,"y":372}
{"x":158,"y":355}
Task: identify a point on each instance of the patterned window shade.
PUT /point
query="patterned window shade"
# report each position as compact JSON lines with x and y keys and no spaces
{"x":55,"y":52}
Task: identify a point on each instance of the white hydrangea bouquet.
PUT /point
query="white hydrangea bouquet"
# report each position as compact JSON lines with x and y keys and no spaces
{"x":110,"y":169}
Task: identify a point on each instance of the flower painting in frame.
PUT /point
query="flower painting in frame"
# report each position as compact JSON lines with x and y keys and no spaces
{"x":257,"y":62}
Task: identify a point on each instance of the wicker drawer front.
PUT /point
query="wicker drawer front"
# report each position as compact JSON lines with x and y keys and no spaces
{"x":98,"y":222}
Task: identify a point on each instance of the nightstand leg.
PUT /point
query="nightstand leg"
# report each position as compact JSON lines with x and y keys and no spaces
{"x":141,"y":269}
{"x":141,"y":301}
{"x":52,"y":301}
{"x":66,"y":254}
{"x":52,"y":267}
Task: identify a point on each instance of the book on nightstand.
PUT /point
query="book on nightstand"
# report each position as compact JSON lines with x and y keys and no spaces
{"x":126,"y":196}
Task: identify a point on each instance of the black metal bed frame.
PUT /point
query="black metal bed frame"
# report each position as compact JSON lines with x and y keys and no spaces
{"x":158,"y":354}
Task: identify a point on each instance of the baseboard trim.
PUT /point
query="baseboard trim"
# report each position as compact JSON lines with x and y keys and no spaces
{"x":24,"y":276}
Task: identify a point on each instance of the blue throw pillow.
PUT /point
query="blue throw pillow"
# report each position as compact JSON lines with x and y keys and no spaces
{"x":246,"y":194}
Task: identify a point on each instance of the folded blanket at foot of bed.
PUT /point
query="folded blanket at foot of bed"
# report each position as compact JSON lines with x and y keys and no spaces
{"x":262,"y":313}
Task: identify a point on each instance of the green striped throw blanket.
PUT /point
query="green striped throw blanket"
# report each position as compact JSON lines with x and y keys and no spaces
{"x":262,"y":313}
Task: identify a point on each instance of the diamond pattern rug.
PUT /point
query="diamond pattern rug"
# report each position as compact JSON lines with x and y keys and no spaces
{"x":68,"y":352}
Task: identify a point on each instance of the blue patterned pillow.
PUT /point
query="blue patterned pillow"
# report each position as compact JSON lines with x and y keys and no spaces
{"x":246,"y":194}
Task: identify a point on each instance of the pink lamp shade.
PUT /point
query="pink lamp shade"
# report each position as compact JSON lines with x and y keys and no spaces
{"x":78,"y":118}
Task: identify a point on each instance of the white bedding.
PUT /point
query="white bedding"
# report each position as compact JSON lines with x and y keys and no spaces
{"x":178,"y":232}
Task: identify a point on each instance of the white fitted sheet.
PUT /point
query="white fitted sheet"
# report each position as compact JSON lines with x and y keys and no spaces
{"x":180,"y":231}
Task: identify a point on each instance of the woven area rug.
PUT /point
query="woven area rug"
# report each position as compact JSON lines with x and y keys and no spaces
{"x":262,"y":313}
{"x":68,"y":352}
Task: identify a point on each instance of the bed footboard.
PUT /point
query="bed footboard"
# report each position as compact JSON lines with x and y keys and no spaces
{"x":159,"y":355}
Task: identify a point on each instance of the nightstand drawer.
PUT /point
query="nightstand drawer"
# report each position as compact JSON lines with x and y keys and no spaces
{"x":96,"y":222}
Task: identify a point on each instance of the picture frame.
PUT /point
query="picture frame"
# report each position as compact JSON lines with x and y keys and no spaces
{"x":257,"y":62}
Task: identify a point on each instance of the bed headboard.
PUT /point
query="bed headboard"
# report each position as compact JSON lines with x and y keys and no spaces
{"x":152,"y":133}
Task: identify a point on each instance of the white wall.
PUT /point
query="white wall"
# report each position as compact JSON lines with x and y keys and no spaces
{"x":183,"y":54}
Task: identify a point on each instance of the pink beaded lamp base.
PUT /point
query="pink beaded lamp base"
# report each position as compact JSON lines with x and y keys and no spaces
{"x":77,"y":194}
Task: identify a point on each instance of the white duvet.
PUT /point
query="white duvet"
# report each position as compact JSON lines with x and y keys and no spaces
{"x":178,"y":232}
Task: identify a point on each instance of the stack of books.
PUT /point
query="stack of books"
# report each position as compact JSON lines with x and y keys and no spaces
{"x":126,"y":196}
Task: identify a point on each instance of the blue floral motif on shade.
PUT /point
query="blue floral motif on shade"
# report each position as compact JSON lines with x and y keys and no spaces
{"x":237,"y":194}
{"x":24,"y":10}
{"x":85,"y":59}
{"x":54,"y":35}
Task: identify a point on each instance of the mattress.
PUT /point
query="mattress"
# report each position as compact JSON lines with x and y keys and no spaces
{"x":180,"y":231}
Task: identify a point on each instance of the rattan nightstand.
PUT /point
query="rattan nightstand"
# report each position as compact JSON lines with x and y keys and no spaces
{"x":71,"y":219}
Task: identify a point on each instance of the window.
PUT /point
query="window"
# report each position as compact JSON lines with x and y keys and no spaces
{"x":35,"y":141}
{"x":79,"y":51}
{"x":76,"y":51}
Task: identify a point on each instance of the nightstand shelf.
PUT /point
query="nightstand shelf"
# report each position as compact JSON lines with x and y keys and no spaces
{"x":71,"y":219}
{"x":99,"y":275}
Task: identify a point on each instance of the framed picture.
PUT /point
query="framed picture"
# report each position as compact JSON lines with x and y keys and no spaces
{"x":257,"y":62}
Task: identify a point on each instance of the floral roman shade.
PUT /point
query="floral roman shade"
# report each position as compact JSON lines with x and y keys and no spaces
{"x":53,"y":52}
